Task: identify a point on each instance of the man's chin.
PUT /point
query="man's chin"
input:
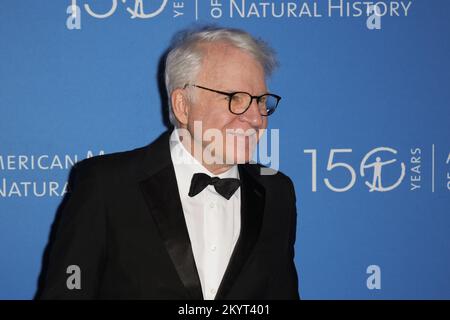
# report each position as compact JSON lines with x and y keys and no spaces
{"x":239,"y":159}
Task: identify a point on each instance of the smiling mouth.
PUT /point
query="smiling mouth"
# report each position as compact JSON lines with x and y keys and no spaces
{"x":242,"y":134}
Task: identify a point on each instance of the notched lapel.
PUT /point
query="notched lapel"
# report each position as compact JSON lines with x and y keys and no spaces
{"x":161,"y":194}
{"x":252,"y":212}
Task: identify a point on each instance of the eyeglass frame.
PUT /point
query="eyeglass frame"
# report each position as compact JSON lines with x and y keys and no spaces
{"x":231,"y":94}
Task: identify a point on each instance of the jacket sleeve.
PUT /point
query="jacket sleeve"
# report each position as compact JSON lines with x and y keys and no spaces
{"x":283,"y":284}
{"x":73,"y":263}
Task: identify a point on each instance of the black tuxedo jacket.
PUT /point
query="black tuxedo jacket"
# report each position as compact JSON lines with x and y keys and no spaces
{"x":123,"y":226}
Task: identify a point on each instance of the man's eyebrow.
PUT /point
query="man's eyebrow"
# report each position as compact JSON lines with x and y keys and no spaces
{"x":241,"y":90}
{"x":226,"y":89}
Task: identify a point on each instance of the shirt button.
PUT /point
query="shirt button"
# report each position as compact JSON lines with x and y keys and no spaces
{"x":212,"y":291}
{"x":213,"y":248}
{"x":211,"y":205}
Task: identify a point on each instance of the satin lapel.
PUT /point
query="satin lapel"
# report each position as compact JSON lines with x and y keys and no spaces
{"x":160,"y":191}
{"x":252,"y":211}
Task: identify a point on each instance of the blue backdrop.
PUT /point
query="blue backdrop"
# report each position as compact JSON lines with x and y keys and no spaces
{"x":355,"y":86}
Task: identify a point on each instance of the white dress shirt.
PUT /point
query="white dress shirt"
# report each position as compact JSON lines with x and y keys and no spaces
{"x":213,"y":222}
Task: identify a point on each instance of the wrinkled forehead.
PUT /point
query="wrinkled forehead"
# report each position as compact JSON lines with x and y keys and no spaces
{"x":222,"y":61}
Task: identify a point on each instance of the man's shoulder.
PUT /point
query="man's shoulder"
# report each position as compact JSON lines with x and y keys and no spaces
{"x":268,"y":176}
{"x":123,"y":163}
{"x":277,"y":185}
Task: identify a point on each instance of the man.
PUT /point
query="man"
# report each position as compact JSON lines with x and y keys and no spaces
{"x":187,"y":217}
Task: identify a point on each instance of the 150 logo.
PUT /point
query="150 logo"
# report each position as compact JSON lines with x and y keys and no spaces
{"x":136,"y":11}
{"x":376,"y":166}
{"x":372,"y":166}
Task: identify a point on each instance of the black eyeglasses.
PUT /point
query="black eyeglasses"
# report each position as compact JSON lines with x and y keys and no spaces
{"x":239,"y":102}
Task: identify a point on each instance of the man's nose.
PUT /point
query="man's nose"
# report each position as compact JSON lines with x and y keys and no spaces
{"x":253,"y":115}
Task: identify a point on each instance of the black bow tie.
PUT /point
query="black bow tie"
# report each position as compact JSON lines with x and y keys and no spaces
{"x":226,"y":187}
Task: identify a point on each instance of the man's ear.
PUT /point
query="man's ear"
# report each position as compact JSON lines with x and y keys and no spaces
{"x":180,"y":106}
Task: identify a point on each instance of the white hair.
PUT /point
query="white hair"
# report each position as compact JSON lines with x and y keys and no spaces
{"x":184,"y":58}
